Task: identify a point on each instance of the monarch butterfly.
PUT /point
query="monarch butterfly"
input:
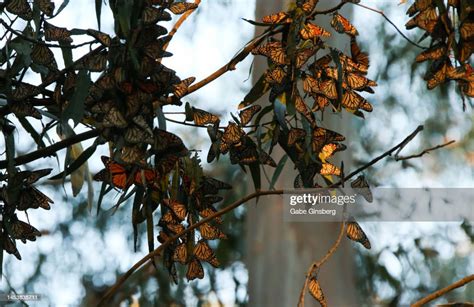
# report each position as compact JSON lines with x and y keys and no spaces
{"x":21,"y":109}
{"x":151,"y":15}
{"x":328,"y":88}
{"x":178,"y":208}
{"x":467,"y":30}
{"x":114,"y":118}
{"x":181,"y":88}
{"x":244,"y":155}
{"x":212,"y":186}
{"x":342,"y":25}
{"x":23,"y":231}
{"x":247,"y":114}
{"x":355,"y":233}
{"x":265,"y":158}
{"x":357,"y":55}
{"x":358,"y":82}
{"x":465,"y":50}
{"x":175,"y":228}
{"x":426,"y":20}
{"x":102,"y":37}
{"x":320,"y":102}
{"x":316,"y":291}
{"x":165,"y":142}
{"x":280,"y":17}
{"x":167,"y":218}
{"x":311,"y":31}
{"x":42,"y":55}
{"x":53,"y":33}
{"x":135,"y":135}
{"x":294,"y":135}
{"x":362,"y":187}
{"x":322,"y":136}
{"x":209,"y":232}
{"x":328,"y":150}
{"x":302,"y":56}
{"x":180,"y":254}
{"x":301,"y":107}
{"x":214,"y":262}
{"x":95,"y":62}
{"x":203,"y":251}
{"x":195,"y":270}
{"x":32,"y":198}
{"x":166,"y":163}
{"x":179,"y":8}
{"x":30,"y":177}
{"x":202,"y":117}
{"x":9,"y":246}
{"x":274,"y":51}
{"x":310,"y":84}
{"x":433,"y":53}
{"x":232,"y":135}
{"x":308,"y":6}
{"x":419,"y":5}
{"x":328,"y":169}
{"x":20,"y":8}
{"x":438,"y":77}
{"x":275,"y":75}
{"x":208,"y":212}
{"x":24,"y":90}
{"x":46,"y":6}
{"x":353,"y":101}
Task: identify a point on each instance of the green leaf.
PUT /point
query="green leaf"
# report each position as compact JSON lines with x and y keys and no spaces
{"x":67,"y":54}
{"x":61,"y":7}
{"x":29,"y":128}
{"x":257,"y":91}
{"x":98,"y":10}
{"x":278,"y":170}
{"x":75,"y":108}
{"x":255,"y":172}
{"x":280,"y":112}
{"x":262,"y":113}
{"x":83,"y":157}
{"x":161,"y":118}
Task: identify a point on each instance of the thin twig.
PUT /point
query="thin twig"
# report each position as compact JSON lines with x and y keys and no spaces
{"x":328,"y":11}
{"x":31,"y":40}
{"x":204,"y":126}
{"x":397,"y":158}
{"x":443,"y":291}
{"x":317,"y":264}
{"x":51,"y":150}
{"x":391,"y":22}
{"x":234,"y":61}
{"x":377,"y":159}
{"x":158,"y":250}
{"x":179,"y":23}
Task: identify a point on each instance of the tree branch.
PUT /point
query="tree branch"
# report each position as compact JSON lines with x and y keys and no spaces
{"x":51,"y":150}
{"x":317,"y":264}
{"x":179,"y":23}
{"x":34,"y":41}
{"x":443,"y":291}
{"x":158,"y":250}
{"x":428,"y":150}
{"x":391,"y":22}
{"x":377,"y":159}
{"x":234,"y":61}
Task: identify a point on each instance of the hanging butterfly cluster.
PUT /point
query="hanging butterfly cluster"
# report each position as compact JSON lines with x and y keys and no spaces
{"x":450,"y":25}
{"x":19,"y":194}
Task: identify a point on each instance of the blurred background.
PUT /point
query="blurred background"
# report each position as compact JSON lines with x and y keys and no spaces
{"x":81,"y":254}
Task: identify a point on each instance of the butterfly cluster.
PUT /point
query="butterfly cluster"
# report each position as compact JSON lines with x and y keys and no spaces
{"x":19,"y":194}
{"x":450,"y":25}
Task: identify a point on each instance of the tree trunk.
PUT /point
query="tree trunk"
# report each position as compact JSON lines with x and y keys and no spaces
{"x":279,"y":253}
